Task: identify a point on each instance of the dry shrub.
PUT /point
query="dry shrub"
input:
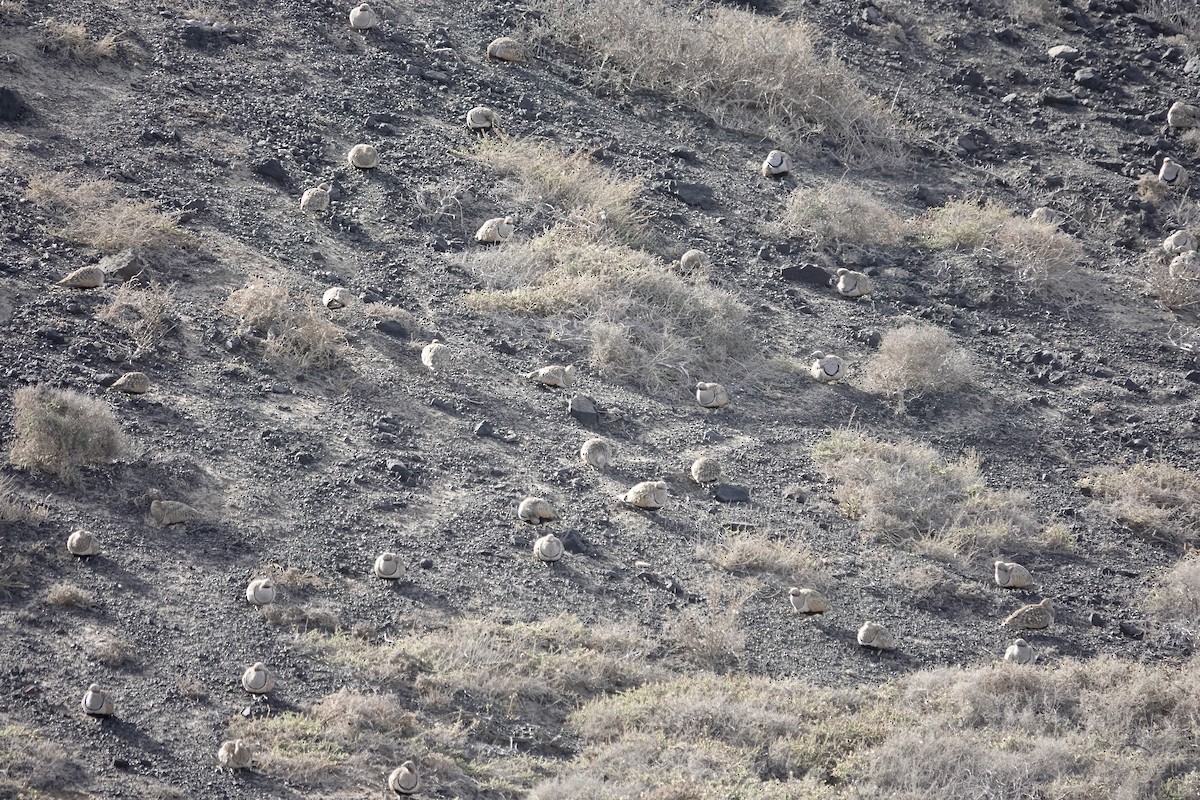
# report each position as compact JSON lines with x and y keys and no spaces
{"x":302,"y":618}
{"x":906,"y":490}
{"x":836,"y":214}
{"x":916,"y":360}
{"x":1175,"y":600}
{"x":95,"y":214}
{"x":16,"y":509}
{"x":529,"y":669}
{"x":1037,"y":256}
{"x":33,"y":765}
{"x":640,"y":321}
{"x":712,"y":639}
{"x":561,"y":188}
{"x":1156,"y":500}
{"x":746,"y":71}
{"x":71,"y":41}
{"x":59,"y":431}
{"x":344,"y":736}
{"x":11,"y":11}
{"x":297,"y":331}
{"x":1033,"y":12}
{"x":751,"y":553}
{"x":1098,"y":728}
{"x":67,"y":595}
{"x":147,"y":315}
{"x":106,"y":648}
{"x":1175,"y":281}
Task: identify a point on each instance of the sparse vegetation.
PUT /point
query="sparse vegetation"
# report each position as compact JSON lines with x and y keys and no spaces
{"x":12,"y":11}
{"x":907,"y":491}
{"x":67,"y":595}
{"x":1175,"y":600}
{"x":1175,"y":281}
{"x":108,"y":649}
{"x":302,"y":618}
{"x":1037,"y":256}
{"x":71,"y":41}
{"x":639,"y":321}
{"x":147,"y":315}
{"x":1154,"y":499}
{"x":59,"y":431}
{"x":756,"y":553}
{"x":915,"y":360}
{"x":749,"y":72}
{"x":96,"y":215}
{"x":296,"y":330}
{"x":16,"y":509}
{"x":836,"y":214}
{"x":33,"y":762}
{"x":553,"y":188}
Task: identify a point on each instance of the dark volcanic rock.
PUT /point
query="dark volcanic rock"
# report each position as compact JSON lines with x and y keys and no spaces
{"x":729,"y":493}
{"x":583,"y":408}
{"x":12,"y":106}
{"x":811,"y":274}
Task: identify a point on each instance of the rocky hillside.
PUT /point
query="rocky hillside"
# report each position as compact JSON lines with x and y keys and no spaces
{"x":222,"y":385}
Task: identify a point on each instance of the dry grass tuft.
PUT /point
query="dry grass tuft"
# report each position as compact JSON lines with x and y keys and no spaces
{"x":59,"y":431}
{"x":107,"y":649}
{"x":96,"y":215}
{"x":1175,"y":600}
{"x":746,"y":71}
{"x":916,"y":360}
{"x":640,"y":322}
{"x":67,"y":595}
{"x":35,"y":766}
{"x":346,"y":735}
{"x":16,"y":509}
{"x":1175,"y":281}
{"x":1155,"y":500}
{"x":297,"y":331}
{"x":302,"y":619}
{"x":553,"y":188}
{"x":147,"y":315}
{"x":12,"y":12}
{"x":1039,"y":258}
{"x":757,"y":553}
{"x":836,"y":215}
{"x":906,"y":490}
{"x":711,"y":639}
{"x":72,"y":42}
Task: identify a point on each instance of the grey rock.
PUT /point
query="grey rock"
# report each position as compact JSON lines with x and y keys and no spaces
{"x":391,"y":327}
{"x":583,"y":408}
{"x":1130,"y":630}
{"x":693,"y":194}
{"x":729,"y":493}
{"x":12,"y":106}
{"x":125,"y":265}
{"x":810,"y":274}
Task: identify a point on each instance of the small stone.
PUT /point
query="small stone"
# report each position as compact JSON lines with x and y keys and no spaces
{"x":391,"y":327}
{"x":271,"y":169}
{"x":810,"y":274}
{"x":1088,"y":78}
{"x":484,"y":428}
{"x":12,"y":106}
{"x":1095,"y":620}
{"x":729,"y":493}
{"x":583,"y":408}
{"x":693,"y":194}
{"x":796,"y":493}
{"x":125,"y":265}
{"x":1130,"y":630}
{"x":337,"y":297}
{"x":1064,"y":52}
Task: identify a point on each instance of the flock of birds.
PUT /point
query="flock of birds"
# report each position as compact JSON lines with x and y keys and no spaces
{"x":1007,"y":575}
{"x":598,"y":453}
